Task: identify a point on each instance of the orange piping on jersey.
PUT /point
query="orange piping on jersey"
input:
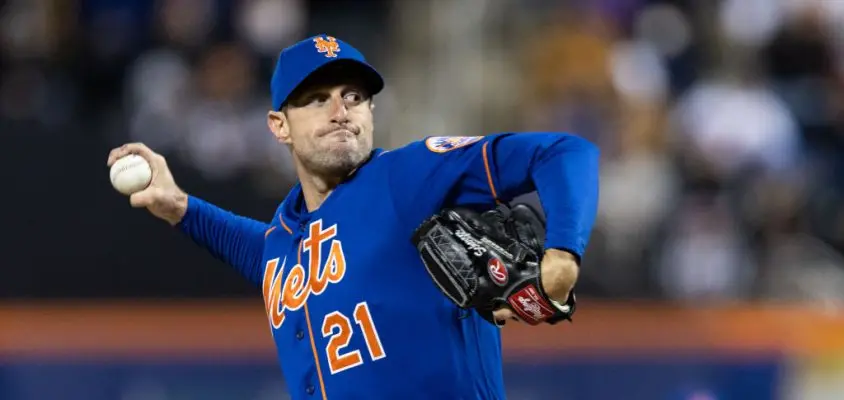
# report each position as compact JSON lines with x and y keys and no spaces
{"x":283,"y":225}
{"x":311,"y":334}
{"x":316,"y":357}
{"x":267,"y":233}
{"x":489,"y":173}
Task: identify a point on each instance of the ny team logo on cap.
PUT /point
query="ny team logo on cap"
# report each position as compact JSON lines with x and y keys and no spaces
{"x":327,"y":45}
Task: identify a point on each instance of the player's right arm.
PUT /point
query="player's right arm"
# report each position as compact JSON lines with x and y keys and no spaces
{"x":236,"y":240}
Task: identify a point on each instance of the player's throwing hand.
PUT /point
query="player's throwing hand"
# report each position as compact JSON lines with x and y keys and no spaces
{"x":163,"y":198}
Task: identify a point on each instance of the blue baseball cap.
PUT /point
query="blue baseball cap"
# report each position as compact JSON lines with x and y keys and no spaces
{"x":299,"y":61}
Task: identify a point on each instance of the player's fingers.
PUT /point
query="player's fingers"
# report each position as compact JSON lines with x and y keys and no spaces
{"x":119,"y":152}
{"x":142,"y":199}
{"x":115,"y":154}
{"x":504,"y":314}
{"x":132,"y":148}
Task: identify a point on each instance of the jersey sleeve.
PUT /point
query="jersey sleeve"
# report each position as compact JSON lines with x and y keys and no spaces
{"x":439,"y":172}
{"x":233,"y":239}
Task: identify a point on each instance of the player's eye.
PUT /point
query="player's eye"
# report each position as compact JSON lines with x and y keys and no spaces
{"x":317,"y":99}
{"x":312,"y":100}
{"x":353,"y":98}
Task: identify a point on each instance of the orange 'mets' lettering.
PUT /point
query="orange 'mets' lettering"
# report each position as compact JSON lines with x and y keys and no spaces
{"x":293,"y":292}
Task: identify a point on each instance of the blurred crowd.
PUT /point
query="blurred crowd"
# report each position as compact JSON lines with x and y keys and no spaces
{"x":721,"y":123}
{"x":722,"y":133}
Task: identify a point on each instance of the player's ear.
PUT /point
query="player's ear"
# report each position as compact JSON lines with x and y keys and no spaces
{"x":277,"y":122}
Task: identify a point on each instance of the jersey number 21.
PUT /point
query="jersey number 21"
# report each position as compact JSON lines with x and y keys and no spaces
{"x":340,"y":329}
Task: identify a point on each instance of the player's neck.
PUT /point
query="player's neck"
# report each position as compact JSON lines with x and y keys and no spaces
{"x":316,"y":186}
{"x":315,"y":190}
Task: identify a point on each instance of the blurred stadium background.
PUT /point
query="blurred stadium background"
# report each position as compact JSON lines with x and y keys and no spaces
{"x":716,"y":267}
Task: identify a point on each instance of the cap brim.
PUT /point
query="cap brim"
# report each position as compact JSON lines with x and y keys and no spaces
{"x":343,"y":70}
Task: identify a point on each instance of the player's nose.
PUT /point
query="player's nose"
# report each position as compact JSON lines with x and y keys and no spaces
{"x":339,"y":111}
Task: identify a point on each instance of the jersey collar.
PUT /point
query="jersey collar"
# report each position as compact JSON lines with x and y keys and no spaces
{"x":293,"y":212}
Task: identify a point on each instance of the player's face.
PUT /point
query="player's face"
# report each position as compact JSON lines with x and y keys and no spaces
{"x":329,"y":128}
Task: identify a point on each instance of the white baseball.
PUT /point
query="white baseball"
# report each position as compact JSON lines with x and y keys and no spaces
{"x":130,"y":174}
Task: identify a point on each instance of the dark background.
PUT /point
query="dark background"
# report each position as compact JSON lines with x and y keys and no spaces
{"x":686,"y":213}
{"x":68,"y":233}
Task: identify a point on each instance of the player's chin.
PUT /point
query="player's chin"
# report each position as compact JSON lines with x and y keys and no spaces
{"x":352,"y":148}
{"x":341,"y":143}
{"x":342,"y":152}
{"x":341,"y":159}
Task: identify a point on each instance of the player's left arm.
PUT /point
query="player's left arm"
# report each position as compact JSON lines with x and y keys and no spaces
{"x":563,"y":170}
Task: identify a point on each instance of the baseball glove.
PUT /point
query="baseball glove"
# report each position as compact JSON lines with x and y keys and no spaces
{"x":485,"y":261}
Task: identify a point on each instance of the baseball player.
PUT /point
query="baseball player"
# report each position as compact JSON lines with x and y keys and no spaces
{"x":352,"y":307}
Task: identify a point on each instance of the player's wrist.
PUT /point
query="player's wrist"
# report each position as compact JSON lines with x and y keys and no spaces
{"x":179,"y":208}
{"x":559,"y":273}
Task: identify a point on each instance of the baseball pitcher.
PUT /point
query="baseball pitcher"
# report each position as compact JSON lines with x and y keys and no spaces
{"x":388,"y":274}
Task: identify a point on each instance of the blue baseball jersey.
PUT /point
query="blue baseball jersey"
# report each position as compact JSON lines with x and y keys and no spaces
{"x":352,"y":310}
